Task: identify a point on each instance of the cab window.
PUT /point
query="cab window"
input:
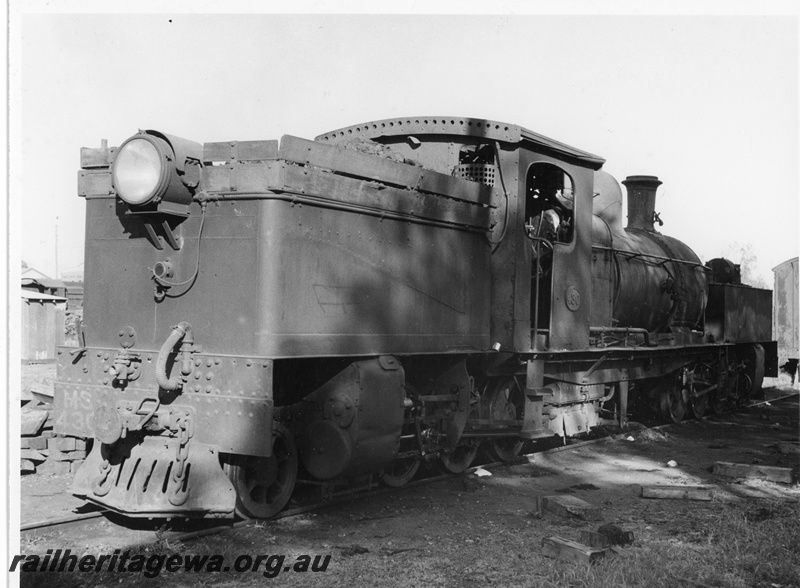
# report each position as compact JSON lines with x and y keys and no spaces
{"x":550,"y":199}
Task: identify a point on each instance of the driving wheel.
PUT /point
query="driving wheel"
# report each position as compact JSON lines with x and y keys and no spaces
{"x":400,"y":472}
{"x":699,"y":405}
{"x":672,"y":405}
{"x":506,"y":403}
{"x":264,"y":484}
{"x":458,"y":460}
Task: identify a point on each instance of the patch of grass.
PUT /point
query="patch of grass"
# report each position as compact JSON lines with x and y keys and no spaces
{"x":736,"y":551}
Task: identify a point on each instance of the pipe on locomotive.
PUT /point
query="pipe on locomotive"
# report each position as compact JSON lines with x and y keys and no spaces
{"x":623,"y":331}
{"x":180,"y":332}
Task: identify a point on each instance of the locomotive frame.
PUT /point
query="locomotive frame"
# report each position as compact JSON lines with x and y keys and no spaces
{"x":397,"y":292}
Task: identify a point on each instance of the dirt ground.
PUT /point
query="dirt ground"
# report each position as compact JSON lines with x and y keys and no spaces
{"x":477,"y":531}
{"x":41,"y":374}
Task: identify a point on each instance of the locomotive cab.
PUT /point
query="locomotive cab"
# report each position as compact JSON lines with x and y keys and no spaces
{"x":549,"y":223}
{"x":553,"y":292}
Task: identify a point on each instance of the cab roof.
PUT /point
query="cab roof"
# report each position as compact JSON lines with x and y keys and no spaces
{"x":460,"y":126}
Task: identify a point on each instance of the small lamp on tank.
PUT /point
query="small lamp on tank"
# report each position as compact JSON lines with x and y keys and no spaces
{"x":155,"y":173}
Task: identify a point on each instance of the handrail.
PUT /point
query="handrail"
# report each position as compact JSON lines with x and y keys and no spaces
{"x":633,"y":254}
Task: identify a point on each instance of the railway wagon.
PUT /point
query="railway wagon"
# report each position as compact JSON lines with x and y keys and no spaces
{"x":785,"y":324}
{"x":260,"y":314}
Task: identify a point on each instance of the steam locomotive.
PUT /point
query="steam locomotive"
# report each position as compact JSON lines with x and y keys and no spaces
{"x":260,"y":314}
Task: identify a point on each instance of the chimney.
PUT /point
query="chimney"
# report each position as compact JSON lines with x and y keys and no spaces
{"x":641,"y":201}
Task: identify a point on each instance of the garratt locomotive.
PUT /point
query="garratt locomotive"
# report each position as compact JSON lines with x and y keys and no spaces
{"x":397,"y":292}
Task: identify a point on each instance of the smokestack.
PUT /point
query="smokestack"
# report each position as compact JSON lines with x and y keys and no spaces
{"x":641,"y":201}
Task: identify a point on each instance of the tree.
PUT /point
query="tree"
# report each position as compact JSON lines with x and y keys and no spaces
{"x":744,"y":255}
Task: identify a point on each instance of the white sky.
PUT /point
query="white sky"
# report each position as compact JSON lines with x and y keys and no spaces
{"x":708,"y":103}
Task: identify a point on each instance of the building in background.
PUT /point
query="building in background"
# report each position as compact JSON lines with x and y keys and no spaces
{"x":32,"y":273}
{"x":43,"y":318}
{"x":51,"y":311}
{"x":44,"y":285}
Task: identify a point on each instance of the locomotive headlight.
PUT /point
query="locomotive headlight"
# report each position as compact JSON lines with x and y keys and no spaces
{"x":142,"y":169}
{"x":157,"y":173}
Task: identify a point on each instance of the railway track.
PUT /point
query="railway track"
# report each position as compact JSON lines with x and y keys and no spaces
{"x":62,"y":522}
{"x":144,"y":532}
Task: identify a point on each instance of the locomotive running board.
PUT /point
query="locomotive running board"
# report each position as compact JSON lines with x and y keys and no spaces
{"x":140,"y":480}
